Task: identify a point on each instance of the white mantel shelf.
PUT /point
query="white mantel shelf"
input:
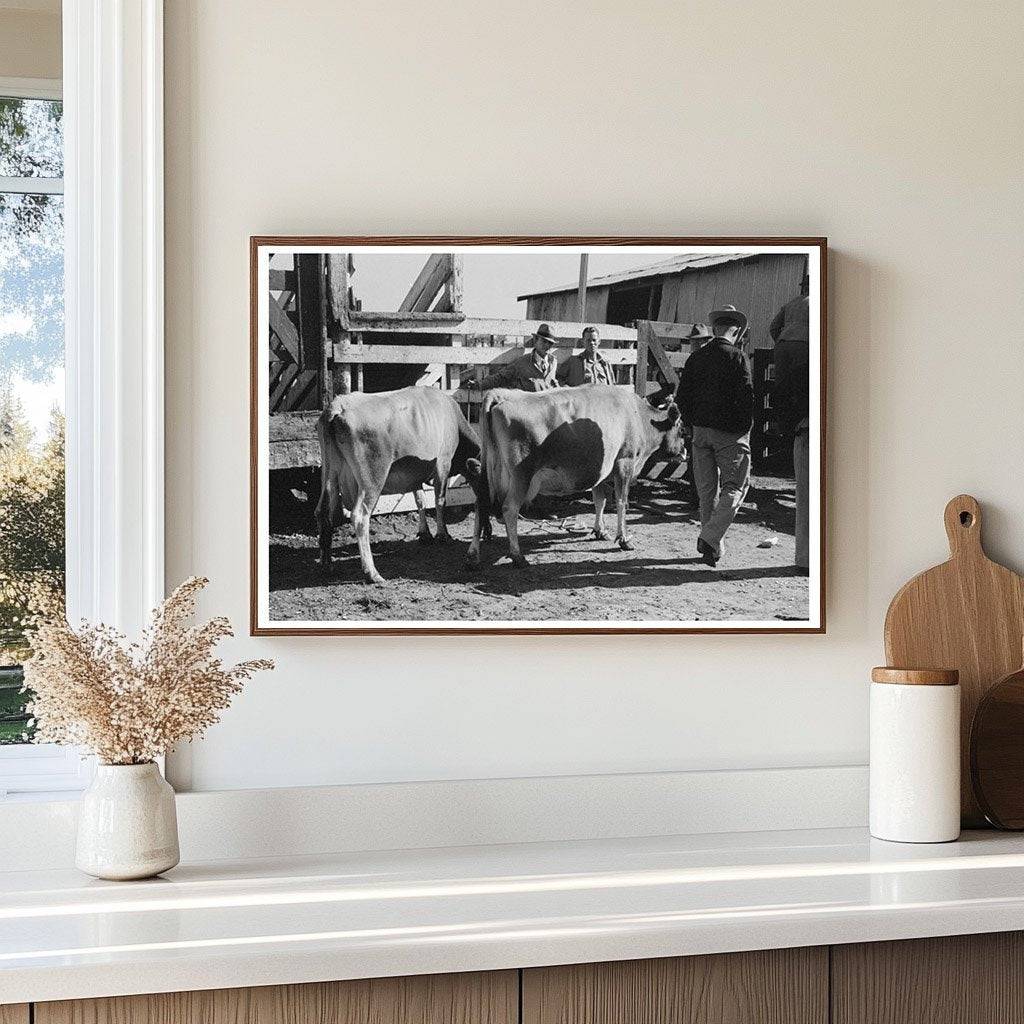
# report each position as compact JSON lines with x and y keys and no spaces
{"x":263,"y":922}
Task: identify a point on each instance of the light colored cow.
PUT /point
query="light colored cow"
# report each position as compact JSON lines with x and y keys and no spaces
{"x":594,"y":437}
{"x":391,"y":442}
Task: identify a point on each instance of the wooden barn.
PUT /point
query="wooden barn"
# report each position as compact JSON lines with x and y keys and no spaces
{"x":683,"y":290}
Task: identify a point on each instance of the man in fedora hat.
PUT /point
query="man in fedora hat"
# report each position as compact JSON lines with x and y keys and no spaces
{"x":532,"y":371}
{"x":716,"y":400}
{"x":589,"y":367}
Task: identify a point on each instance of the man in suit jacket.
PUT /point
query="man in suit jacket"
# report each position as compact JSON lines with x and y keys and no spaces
{"x":716,"y":400}
{"x":589,"y":367}
{"x":532,"y":371}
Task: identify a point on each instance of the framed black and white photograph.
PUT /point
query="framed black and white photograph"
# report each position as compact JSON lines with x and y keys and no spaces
{"x":537,"y":435}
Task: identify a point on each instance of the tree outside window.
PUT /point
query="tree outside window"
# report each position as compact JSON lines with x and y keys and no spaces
{"x":31,"y":387}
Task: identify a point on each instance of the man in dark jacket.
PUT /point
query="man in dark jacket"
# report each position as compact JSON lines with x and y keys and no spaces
{"x":791,"y":401}
{"x":716,"y":400}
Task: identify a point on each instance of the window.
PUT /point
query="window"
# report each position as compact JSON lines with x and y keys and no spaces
{"x":32,"y":513}
{"x":92,"y":171}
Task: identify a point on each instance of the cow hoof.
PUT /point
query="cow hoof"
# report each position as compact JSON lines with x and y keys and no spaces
{"x":425,"y":537}
{"x":600,"y":535}
{"x":375,"y":577}
{"x":624,"y":544}
{"x":519,"y":561}
{"x":473,"y":560}
{"x":444,"y":538}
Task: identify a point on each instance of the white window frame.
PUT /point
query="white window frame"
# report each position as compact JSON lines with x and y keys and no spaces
{"x":114,"y":334}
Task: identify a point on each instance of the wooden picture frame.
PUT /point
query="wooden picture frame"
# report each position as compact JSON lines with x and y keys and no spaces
{"x":325,"y":317}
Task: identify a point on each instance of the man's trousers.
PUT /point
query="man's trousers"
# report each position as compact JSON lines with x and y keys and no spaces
{"x":721,"y":471}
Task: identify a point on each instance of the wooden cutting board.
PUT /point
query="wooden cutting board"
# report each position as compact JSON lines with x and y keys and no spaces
{"x":967,"y":614}
{"x":997,"y":752}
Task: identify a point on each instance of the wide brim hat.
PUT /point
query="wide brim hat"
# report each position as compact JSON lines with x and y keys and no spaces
{"x":728,"y":314}
{"x":544,"y":332}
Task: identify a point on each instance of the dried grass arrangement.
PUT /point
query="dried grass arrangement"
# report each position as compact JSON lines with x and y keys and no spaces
{"x":129,"y":703}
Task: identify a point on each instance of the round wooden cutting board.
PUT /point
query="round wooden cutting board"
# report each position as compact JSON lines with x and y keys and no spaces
{"x":997,"y":752}
{"x":967,"y":614}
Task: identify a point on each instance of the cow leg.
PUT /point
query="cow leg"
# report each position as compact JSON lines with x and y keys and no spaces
{"x":477,"y":479}
{"x":600,"y":496}
{"x":621,"y":501}
{"x":517,"y":497}
{"x":441,"y":500}
{"x":473,"y":554}
{"x":424,"y":530}
{"x":510,"y":513}
{"x":362,"y":509}
{"x":325,"y":510}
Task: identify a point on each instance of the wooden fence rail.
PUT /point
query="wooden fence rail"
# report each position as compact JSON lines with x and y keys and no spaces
{"x":293,"y":442}
{"x":472,"y":355}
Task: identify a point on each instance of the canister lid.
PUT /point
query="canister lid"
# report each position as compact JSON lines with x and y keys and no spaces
{"x":916,"y":676}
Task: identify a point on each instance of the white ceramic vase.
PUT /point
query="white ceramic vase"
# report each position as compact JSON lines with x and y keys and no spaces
{"x":127,"y":824}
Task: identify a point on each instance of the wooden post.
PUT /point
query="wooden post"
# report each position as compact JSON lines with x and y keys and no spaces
{"x":453,"y":295}
{"x":357,"y":339}
{"x":425,"y":287}
{"x":584,"y":260}
{"x":656,"y":351}
{"x":643,"y":333}
{"x":455,"y":283}
{"x":337,"y":281}
{"x":327,"y":347}
{"x":309,"y":305}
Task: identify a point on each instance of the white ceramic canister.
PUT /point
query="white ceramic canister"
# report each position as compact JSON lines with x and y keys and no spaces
{"x":915,"y":755}
{"x":127,"y":824}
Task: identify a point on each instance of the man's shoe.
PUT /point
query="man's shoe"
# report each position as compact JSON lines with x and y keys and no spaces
{"x":707,"y":553}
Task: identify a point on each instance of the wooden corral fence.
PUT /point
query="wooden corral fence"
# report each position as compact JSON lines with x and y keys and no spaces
{"x":650,"y":353}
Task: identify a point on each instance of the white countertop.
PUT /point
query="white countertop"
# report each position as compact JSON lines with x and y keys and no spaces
{"x":261,"y":922}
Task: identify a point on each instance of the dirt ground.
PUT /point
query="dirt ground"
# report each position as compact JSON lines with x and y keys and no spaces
{"x":571,"y":575}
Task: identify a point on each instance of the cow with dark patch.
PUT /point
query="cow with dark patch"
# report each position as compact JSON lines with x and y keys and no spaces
{"x":594,"y":438}
{"x":392,"y":442}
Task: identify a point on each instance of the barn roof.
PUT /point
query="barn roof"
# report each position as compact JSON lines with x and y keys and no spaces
{"x":676,"y":265}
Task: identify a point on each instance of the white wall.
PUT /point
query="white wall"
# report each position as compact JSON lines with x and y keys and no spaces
{"x":30,"y":39}
{"x":895,"y":129}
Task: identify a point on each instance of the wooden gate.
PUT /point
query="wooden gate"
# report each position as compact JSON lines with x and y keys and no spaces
{"x":296,"y":327}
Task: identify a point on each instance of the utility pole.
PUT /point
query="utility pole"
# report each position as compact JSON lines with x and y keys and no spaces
{"x":584,"y":260}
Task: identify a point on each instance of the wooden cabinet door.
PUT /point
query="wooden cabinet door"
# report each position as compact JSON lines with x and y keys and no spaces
{"x":481,"y":998}
{"x":778,"y":986}
{"x":14,"y":1013}
{"x":961,"y":979}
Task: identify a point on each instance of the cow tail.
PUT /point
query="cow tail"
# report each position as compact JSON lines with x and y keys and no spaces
{"x":491,"y":462}
{"x":332,"y":433}
{"x":486,"y":485}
